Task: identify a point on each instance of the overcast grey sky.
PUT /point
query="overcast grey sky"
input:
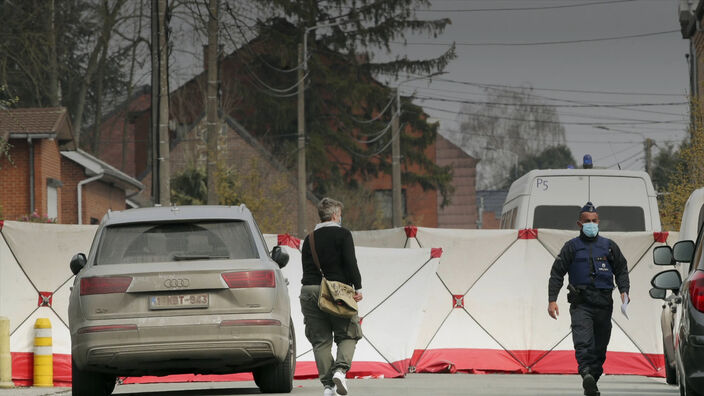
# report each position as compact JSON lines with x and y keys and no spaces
{"x":651,"y":69}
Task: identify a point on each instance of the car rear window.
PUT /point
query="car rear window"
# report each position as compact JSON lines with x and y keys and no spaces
{"x":611,"y":218}
{"x":176,"y":241}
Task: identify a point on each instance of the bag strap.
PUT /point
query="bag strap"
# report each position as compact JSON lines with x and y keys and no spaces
{"x":311,"y":239}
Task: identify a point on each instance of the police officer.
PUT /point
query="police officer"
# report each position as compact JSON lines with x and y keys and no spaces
{"x":592,"y":262}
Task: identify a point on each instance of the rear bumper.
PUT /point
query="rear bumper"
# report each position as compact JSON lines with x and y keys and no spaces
{"x":153,"y":348}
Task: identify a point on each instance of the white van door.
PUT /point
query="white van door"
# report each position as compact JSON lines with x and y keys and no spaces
{"x":622,"y":203}
{"x":556,"y":200}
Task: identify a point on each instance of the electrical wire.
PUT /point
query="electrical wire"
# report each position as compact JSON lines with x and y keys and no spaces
{"x":537,"y":43}
{"x":529,"y":8}
{"x":559,"y":122}
{"x":594,"y":105}
{"x":377,"y":116}
{"x":484,"y":85}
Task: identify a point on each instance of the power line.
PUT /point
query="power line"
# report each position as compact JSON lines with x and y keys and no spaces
{"x":530,"y":8}
{"x":595,"y":105}
{"x":536,"y":43}
{"x":558,"y":122}
{"x":491,"y":85}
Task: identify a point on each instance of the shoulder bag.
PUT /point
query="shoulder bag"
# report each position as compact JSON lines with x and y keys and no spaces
{"x":336,"y":298}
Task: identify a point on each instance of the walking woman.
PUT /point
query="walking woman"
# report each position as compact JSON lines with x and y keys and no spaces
{"x":335,"y":250}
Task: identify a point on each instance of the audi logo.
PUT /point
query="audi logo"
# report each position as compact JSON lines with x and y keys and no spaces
{"x":172,"y":283}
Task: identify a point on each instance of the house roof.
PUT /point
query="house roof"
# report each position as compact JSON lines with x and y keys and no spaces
{"x":94,"y":167}
{"x":36,"y":122}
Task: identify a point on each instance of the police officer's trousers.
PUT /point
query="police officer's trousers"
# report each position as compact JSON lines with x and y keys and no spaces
{"x":591,"y":330}
{"x":322,"y":328}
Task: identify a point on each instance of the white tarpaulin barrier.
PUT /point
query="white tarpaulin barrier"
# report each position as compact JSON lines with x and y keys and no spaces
{"x":436,"y":300}
{"x":487,"y":310}
{"x":35,"y":281}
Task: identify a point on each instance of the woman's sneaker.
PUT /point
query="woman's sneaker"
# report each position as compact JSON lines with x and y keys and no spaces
{"x":329,"y":391}
{"x":340,"y":382}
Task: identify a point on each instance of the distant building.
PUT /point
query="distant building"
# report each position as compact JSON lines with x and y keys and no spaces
{"x":46,"y":175}
{"x":461,"y":212}
{"x":489,"y":204}
{"x":187,"y":108}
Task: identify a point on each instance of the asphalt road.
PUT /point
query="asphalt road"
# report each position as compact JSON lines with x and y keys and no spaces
{"x":412,"y":385}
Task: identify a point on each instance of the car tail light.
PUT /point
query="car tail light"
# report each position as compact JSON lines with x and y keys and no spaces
{"x":105,"y":284}
{"x":251,"y":322}
{"x":696,"y":290}
{"x":245,"y":279}
{"x":99,"y":329}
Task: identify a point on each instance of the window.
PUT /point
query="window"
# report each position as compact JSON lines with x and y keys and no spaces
{"x":556,"y":216}
{"x":621,"y":218}
{"x":508,"y":219}
{"x":158,"y":242}
{"x":384,"y":201}
{"x":52,"y":202}
{"x":611,"y":218}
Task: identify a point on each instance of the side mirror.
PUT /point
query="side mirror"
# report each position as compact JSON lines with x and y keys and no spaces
{"x":279,"y":256}
{"x":77,"y":263}
{"x":658,"y":294}
{"x":683,"y":251}
{"x":662,"y":255}
{"x":667,"y":280}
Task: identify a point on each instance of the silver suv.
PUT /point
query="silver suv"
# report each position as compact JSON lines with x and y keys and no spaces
{"x":170,"y":290}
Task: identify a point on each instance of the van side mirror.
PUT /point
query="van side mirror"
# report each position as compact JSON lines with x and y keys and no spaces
{"x":658,"y":294}
{"x":662,"y":255}
{"x":279,"y":256}
{"x":683,"y":251}
{"x":667,"y":280}
{"x":77,"y":263}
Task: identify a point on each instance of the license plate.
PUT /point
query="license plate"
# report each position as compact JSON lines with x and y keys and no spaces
{"x":179,"y":301}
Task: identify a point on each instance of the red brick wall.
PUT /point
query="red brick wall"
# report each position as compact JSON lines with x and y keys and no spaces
{"x":14,"y":181}
{"x":97,"y":196}
{"x":462,"y":211}
{"x":490,"y":222}
{"x":121,"y":127}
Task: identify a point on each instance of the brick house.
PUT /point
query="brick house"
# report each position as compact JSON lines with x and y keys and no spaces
{"x":39,"y":174}
{"x":187,"y":107}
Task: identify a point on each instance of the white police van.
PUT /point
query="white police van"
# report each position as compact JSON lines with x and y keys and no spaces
{"x":551,"y":198}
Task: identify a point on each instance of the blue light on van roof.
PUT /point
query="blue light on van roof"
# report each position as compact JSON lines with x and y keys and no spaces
{"x":587,"y":161}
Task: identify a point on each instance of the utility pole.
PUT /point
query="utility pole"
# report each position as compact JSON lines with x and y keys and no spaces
{"x":212,"y":103}
{"x":164,"y":164}
{"x":649,"y":143}
{"x":301,"y":145}
{"x":154,"y":127}
{"x":396,"y":214}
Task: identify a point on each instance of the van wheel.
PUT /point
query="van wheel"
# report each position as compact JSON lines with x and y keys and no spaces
{"x":278,"y":377}
{"x":88,"y":383}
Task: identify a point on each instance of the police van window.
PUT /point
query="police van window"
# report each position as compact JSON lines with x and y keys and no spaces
{"x":513,"y":218}
{"x":561,"y":217}
{"x":621,"y":218}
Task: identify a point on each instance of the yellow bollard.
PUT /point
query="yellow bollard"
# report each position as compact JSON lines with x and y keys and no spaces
{"x":43,"y":356}
{"x":5,"y":357}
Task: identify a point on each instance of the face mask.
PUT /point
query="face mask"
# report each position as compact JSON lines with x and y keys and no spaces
{"x":590,"y":229}
{"x":340,"y":222}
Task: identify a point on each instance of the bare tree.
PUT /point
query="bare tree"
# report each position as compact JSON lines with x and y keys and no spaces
{"x":511,"y":125}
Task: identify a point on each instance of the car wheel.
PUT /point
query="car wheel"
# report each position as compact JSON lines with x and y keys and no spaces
{"x":278,"y":377}
{"x":670,"y":372}
{"x":88,"y":383}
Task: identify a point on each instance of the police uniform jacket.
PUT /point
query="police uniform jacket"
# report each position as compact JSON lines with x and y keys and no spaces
{"x":591,"y":255}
